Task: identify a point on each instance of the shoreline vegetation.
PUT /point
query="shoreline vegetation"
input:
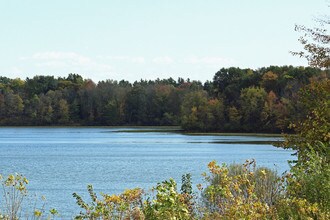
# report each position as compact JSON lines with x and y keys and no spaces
{"x":146,"y":128}
{"x":239,"y":100}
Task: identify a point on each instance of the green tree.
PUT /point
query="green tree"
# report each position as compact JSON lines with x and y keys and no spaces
{"x":234,"y":119}
{"x":63,"y":108}
{"x":40,"y":84}
{"x":13,"y":108}
{"x":309,"y":181}
{"x":194,"y":111}
{"x":75,"y":78}
{"x":227,"y":84}
{"x":2,"y":106}
{"x":252,"y":100}
{"x":313,"y":126}
{"x":136,"y":105}
{"x":32,"y":110}
{"x":87,"y":102}
{"x":45,"y":110}
{"x":310,"y":174}
{"x":17,"y":85}
{"x":106,"y":104}
{"x":215,"y":115}
{"x":112,"y":113}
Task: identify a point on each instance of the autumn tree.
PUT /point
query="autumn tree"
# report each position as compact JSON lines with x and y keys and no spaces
{"x":316,"y":43}
{"x":269,"y":81}
{"x":309,"y":180}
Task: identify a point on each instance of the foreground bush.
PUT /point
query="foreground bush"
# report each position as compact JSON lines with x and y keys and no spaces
{"x":168,"y":203}
{"x":14,"y":193}
{"x":307,"y":190}
{"x":231,"y":192}
{"x":240,"y":192}
{"x":123,"y":206}
{"x":308,"y":186}
{"x":165,"y":203}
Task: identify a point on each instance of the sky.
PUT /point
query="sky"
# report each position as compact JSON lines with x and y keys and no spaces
{"x":149,"y":39}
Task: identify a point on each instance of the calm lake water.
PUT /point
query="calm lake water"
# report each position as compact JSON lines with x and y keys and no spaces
{"x":60,"y":161}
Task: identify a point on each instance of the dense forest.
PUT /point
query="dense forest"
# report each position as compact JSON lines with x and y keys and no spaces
{"x":262,"y":100}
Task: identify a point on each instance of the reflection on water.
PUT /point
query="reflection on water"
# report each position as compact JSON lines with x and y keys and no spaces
{"x":60,"y":161}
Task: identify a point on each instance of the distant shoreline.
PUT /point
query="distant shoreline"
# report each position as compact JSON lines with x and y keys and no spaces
{"x":142,"y":129}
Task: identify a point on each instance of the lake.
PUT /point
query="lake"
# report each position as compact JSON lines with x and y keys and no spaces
{"x":61,"y":160}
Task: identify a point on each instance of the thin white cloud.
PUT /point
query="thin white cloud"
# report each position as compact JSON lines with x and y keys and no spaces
{"x":59,"y":56}
{"x":137,"y":59}
{"x":51,"y":63}
{"x":68,"y":61}
{"x":209,"y":60}
{"x":118,"y":67}
{"x":163,"y":60}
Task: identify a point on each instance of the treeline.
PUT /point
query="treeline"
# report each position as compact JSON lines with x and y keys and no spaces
{"x":262,"y":100}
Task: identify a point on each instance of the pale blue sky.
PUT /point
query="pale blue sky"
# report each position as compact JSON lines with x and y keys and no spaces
{"x":107,"y":39}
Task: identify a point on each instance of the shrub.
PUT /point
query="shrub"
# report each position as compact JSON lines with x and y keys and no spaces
{"x":240,"y":191}
{"x":14,"y":192}
{"x":123,"y":206}
{"x":168,"y":203}
{"x":14,"y":188}
{"x":309,"y":181}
